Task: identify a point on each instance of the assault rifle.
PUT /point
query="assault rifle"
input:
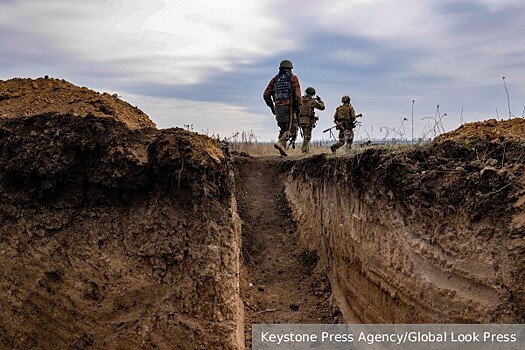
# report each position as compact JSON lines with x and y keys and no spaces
{"x":357,"y":116}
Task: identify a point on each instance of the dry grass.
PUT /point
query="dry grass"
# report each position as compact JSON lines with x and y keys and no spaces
{"x":246,"y":142}
{"x":266,"y":149}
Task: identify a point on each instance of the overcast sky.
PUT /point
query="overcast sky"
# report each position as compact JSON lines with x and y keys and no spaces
{"x":206,"y":63}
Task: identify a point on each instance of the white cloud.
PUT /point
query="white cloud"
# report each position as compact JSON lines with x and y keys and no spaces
{"x":159,"y":40}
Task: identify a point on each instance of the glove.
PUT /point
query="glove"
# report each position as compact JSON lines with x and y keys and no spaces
{"x":273,"y":109}
{"x":317,"y":98}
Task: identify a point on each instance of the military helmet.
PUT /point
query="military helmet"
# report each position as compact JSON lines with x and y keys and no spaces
{"x":310,"y":91}
{"x":286,"y":64}
{"x":345,"y":99}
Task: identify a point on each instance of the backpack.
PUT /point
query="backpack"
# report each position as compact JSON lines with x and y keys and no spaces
{"x":282,"y":88}
{"x":345,"y":113}
{"x":307,"y":110}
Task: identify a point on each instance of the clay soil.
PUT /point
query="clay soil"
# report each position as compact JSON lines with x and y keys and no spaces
{"x":279,"y":282}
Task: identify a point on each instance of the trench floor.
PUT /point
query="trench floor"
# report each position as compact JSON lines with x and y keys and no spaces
{"x":279,"y":283}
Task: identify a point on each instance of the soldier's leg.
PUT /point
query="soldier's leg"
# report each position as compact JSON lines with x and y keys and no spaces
{"x":339,"y":143}
{"x":283,"y":127}
{"x":282,"y":115}
{"x":293,"y":132}
{"x":307,"y":136}
{"x":349,"y":138}
{"x":284,"y":132}
{"x":284,"y":135}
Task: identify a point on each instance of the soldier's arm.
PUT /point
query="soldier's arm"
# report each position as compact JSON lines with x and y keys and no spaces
{"x":296,"y":92}
{"x":352,"y":113}
{"x":319,"y":105}
{"x":267,"y":95}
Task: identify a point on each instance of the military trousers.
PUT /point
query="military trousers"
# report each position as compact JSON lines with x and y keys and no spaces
{"x":307,"y":137}
{"x":346,"y":136}
{"x":287,"y":131}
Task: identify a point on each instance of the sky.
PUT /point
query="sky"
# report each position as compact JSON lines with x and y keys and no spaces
{"x":412,"y":68}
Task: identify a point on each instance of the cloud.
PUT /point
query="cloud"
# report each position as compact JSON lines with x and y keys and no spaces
{"x":159,"y":40}
{"x":198,"y":58}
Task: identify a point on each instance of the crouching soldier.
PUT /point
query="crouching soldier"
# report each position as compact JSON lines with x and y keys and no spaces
{"x":307,"y":116}
{"x":344,"y":118}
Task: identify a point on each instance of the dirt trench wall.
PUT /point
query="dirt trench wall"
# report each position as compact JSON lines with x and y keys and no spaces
{"x":426,"y":236}
{"x":112,"y":238}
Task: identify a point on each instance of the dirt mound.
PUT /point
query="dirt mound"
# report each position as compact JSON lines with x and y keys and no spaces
{"x":28,"y":97}
{"x":513,"y":129}
{"x":116,"y":238}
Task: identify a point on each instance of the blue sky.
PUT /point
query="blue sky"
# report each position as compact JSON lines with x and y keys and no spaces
{"x":206,"y":63}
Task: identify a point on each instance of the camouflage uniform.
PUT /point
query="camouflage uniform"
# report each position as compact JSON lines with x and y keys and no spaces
{"x":307,"y":118}
{"x":284,"y":109}
{"x":344,"y":118}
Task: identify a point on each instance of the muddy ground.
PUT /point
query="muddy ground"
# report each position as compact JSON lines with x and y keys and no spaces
{"x":113,"y":238}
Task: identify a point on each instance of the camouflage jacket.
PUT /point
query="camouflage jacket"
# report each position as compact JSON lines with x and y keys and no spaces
{"x":307,"y":114}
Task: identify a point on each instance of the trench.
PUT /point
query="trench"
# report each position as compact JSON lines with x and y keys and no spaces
{"x":333,"y":240}
{"x":279,"y":283}
{"x":118,"y":238}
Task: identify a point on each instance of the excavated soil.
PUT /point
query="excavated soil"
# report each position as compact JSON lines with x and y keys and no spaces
{"x":114,"y":237}
{"x":430,"y":234}
{"x":117,"y":235}
{"x":509,"y":130}
{"x":30,"y":97}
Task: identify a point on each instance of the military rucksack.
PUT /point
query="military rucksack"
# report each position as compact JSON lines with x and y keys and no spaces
{"x":307,"y":110}
{"x":344,"y":112}
{"x":282,"y":87}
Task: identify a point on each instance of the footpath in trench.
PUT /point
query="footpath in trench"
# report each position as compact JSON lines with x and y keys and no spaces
{"x":278,"y":282}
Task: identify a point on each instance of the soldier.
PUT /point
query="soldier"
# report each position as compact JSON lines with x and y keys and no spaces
{"x":283,"y":96}
{"x":307,"y":116}
{"x":344,"y":118}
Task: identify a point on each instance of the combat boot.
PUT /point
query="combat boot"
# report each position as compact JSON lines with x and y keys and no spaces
{"x":281,"y":148}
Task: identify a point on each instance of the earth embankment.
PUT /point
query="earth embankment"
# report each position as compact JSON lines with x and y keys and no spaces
{"x":116,"y":238}
{"x":428,"y":235}
{"x":29,"y":97}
